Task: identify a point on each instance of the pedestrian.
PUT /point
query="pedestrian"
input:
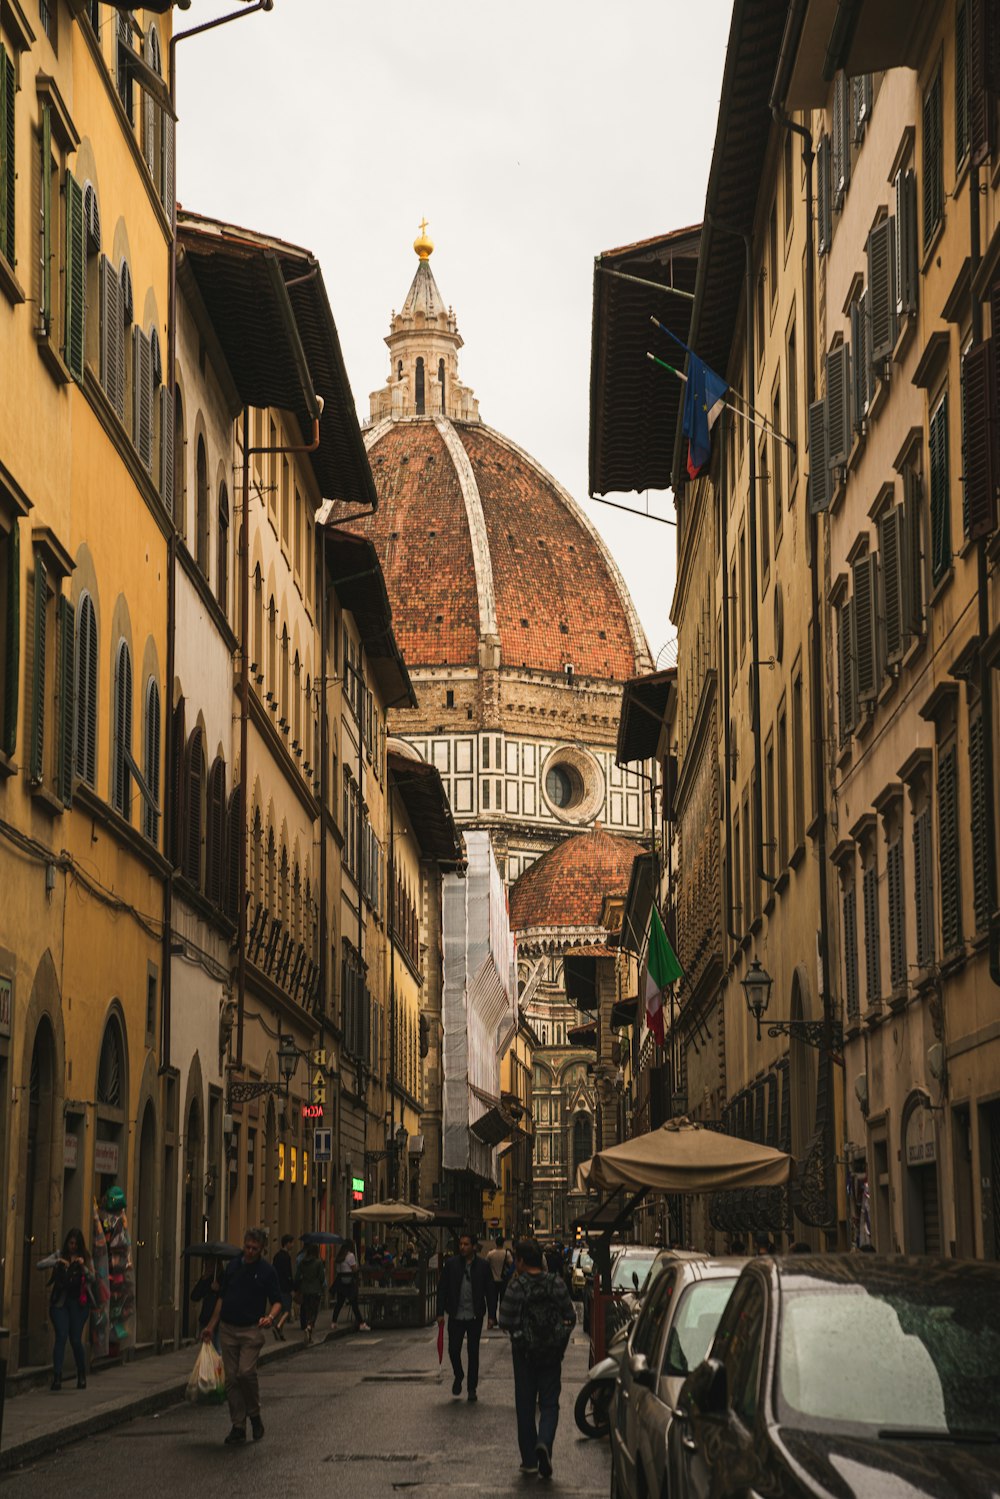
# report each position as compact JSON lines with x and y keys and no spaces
{"x":310,"y":1283}
{"x":554,"y":1259}
{"x":539,"y":1315}
{"x":72,"y":1297}
{"x":206,"y":1290}
{"x":286,"y":1284}
{"x":501,"y":1263}
{"x":249,"y":1302}
{"x":466,"y":1291}
{"x":762,"y":1245}
{"x":345,"y":1286}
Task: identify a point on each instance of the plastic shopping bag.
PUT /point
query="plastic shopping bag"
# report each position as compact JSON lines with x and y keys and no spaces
{"x":207,"y":1383}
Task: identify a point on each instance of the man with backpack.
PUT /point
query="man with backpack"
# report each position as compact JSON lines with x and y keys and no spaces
{"x":537,"y":1312}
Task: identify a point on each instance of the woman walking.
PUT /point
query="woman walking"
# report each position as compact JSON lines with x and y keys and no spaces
{"x":345,"y":1285}
{"x":310,"y":1282}
{"x":69,"y":1305}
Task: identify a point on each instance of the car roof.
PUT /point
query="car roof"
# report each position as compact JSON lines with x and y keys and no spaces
{"x":875,"y":1270}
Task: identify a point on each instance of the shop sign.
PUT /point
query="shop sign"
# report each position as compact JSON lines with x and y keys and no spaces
{"x":322,"y":1144}
{"x":312,"y":1111}
{"x":71,"y":1151}
{"x":6,"y":1005}
{"x":921,"y":1141}
{"x":106,"y":1158}
{"x":357,"y":1189}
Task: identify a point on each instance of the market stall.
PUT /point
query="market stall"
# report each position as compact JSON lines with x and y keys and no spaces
{"x":393,"y":1294}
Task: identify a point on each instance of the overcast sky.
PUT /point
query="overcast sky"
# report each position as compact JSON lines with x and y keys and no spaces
{"x":531,"y":136}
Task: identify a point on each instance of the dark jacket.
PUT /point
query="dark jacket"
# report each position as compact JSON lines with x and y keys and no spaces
{"x":516,"y":1294}
{"x":484,"y":1290}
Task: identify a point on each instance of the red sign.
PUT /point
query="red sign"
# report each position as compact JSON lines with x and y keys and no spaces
{"x":312,"y":1111}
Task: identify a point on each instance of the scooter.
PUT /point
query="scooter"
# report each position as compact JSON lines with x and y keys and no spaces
{"x":592,"y":1411}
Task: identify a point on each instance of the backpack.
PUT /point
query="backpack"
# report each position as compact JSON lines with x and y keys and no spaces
{"x":542,"y":1333}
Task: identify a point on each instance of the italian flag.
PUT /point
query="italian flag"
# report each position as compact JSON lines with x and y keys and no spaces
{"x":662,"y":968}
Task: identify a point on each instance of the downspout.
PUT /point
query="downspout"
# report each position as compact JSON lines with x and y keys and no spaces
{"x":756,"y":788}
{"x":724,"y":696}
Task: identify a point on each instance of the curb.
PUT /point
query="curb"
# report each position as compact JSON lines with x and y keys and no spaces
{"x":20,"y":1453}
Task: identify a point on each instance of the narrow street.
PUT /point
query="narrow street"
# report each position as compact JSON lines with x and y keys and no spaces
{"x":369,"y":1415}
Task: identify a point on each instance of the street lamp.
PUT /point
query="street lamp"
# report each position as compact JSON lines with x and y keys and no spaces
{"x":826,"y":1035}
{"x":288,"y":1060}
{"x":757,"y":988}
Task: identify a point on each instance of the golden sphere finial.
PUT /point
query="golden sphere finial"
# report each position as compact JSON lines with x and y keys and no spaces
{"x":422,"y":245}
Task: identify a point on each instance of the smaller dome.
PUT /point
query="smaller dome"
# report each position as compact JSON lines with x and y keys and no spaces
{"x":567,"y":886}
{"x":423,"y":245}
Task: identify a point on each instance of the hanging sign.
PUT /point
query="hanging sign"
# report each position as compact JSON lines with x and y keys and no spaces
{"x":323,"y":1145}
{"x":317,"y":1078}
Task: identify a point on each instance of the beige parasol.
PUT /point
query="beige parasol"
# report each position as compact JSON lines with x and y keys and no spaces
{"x":391,"y":1212}
{"x":682,"y":1156}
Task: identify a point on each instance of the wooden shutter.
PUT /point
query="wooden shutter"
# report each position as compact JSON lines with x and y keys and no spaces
{"x":859,"y":364}
{"x":122,"y":789}
{"x":907,"y":273}
{"x":923,"y":877}
{"x":8,"y":171}
{"x":984,"y":36}
{"x":897,"y":914}
{"x":841,"y":152}
{"x":979,"y":400}
{"x":881,"y":289}
{"x":824,"y":207}
{"x":914,"y":560}
{"x":151,"y":764}
{"x":873,"y":945}
{"x":940,"y":504}
{"x":166,"y":396}
{"x":234,"y":839}
{"x":194,"y":791}
{"x":86,"y":691}
{"x":76,"y":277}
{"x":142,"y":397}
{"x":215,"y":839}
{"x":177,"y":753}
{"x":67,"y":704}
{"x":980,"y":831}
{"x":12,"y":646}
{"x":866,"y":654}
{"x":45,"y":310}
{"x":892,"y":549}
{"x":933,"y":160}
{"x":819,"y":468}
{"x":38,"y":672}
{"x":838,"y":405}
{"x":961,"y":81}
{"x":112,"y":333}
{"x":168,"y":167}
{"x":846,"y":683}
{"x":948,"y":851}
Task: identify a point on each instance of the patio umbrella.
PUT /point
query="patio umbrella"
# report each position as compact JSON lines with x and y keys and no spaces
{"x":212,"y":1249}
{"x":682,"y":1156}
{"x":322,"y":1238}
{"x":392,"y":1212}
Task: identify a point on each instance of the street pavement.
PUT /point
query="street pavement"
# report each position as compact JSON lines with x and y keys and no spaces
{"x":370,"y":1414}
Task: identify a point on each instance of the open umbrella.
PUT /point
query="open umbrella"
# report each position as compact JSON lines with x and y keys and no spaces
{"x":392,"y":1212}
{"x":212,"y":1249}
{"x":682,"y":1156}
{"x":322,"y":1238}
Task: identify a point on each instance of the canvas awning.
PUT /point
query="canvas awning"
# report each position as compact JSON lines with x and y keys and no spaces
{"x":682,"y":1156}
{"x":392,"y":1211}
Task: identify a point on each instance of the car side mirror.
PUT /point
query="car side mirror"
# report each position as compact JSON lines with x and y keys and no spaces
{"x":640,"y":1371}
{"x":707,"y":1389}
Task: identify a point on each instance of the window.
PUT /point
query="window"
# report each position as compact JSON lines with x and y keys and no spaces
{"x":798,"y":762}
{"x":743,"y":592}
{"x":732,"y":619}
{"x":897,"y":913}
{"x":123,"y":73}
{"x":783,"y":783}
{"x":151,"y":760}
{"x":873,"y":948}
{"x":772,"y":250}
{"x":297,"y":532}
{"x":201,"y":507}
{"x":283,"y":701}
{"x":771,"y":851}
{"x":933,"y":160}
{"x":48,"y":16}
{"x":142,"y":397}
{"x":788,"y":178}
{"x":923,"y":878}
{"x":286,"y":503}
{"x":194,"y":806}
{"x":847,"y":687}
{"x":776,"y":465}
{"x":739,"y":1339}
{"x":841,"y":147}
{"x":980,"y":833}
{"x":85,"y":734}
{"x":173,"y":479}
{"x":419,"y":387}
{"x":850,"y":920}
{"x":441,"y":383}
{"x":257,"y":664}
{"x":940,"y":491}
{"x":121,"y":782}
{"x":222,"y":552}
{"x":824,"y":207}
{"x":764,"y":517}
{"x":861,"y":105}
{"x":215,"y":834}
{"x":949,"y":850}
{"x":8,"y":174}
{"x":10,"y":630}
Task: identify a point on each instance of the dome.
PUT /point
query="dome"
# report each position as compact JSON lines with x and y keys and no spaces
{"x":487,"y":559}
{"x":567,"y":886}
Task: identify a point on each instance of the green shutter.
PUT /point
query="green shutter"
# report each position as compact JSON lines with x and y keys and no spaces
{"x":7,"y":157}
{"x":980,"y":831}
{"x":12,"y":661}
{"x":46,"y":307}
{"x":38,"y":673}
{"x":67,"y":704}
{"x":76,"y":277}
{"x":940,"y":509}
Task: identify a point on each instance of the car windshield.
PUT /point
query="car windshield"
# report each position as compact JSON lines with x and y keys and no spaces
{"x":628,"y":1264}
{"x":910,"y":1360}
{"x":696,"y":1316}
{"x":585,"y":1262}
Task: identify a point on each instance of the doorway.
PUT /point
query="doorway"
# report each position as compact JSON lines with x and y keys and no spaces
{"x":146,"y":1231}
{"x":193,"y":1225}
{"x":39,"y":1229}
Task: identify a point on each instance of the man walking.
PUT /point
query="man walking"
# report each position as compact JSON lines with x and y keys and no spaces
{"x":249,"y":1302}
{"x":501,"y":1262}
{"x":466,"y":1290}
{"x":539,"y":1316}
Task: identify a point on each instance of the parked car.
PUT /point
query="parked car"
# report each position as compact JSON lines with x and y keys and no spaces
{"x":670,"y":1336}
{"x":582,"y":1268}
{"x":844,"y":1377}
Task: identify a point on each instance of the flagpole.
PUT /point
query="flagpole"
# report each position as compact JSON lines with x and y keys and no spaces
{"x":764,"y":424}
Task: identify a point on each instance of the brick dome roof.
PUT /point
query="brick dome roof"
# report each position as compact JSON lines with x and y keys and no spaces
{"x":567,"y":886}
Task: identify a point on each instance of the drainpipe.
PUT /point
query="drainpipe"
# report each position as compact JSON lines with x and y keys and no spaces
{"x":724,"y":695}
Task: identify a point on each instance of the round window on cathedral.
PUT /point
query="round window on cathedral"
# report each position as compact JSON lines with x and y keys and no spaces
{"x":563,"y":786}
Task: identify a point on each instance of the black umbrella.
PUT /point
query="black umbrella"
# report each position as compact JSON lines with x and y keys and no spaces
{"x":319,"y":1238}
{"x":212,"y":1249}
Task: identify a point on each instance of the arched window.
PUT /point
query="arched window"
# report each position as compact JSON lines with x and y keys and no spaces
{"x":296,"y":904}
{"x":177,"y":768}
{"x":257,"y":665}
{"x":272,"y":651}
{"x":215,"y":832}
{"x":283,"y":697}
{"x":441,"y":380}
{"x":399,"y":370}
{"x":92,"y":239}
{"x":151,"y":117}
{"x":111,"y":1067}
{"x":583,"y":1139}
{"x":201,"y":503}
{"x":180,"y":490}
{"x":121,"y":783}
{"x":151,"y":760}
{"x":194,"y":807}
{"x":234,"y":835}
{"x":297,"y":703}
{"x":86,"y":690}
{"x":270,"y":872}
{"x":420,"y":387}
{"x":222,"y":552}
{"x":283,"y":886}
{"x":257,"y":857}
